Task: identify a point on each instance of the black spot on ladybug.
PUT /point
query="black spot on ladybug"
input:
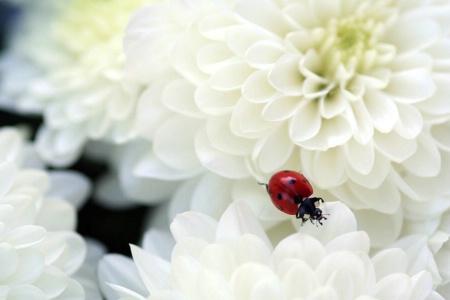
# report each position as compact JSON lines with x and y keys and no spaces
{"x":280,"y":196}
{"x":292,"y":181}
{"x":286,"y":171}
{"x":304,"y":180}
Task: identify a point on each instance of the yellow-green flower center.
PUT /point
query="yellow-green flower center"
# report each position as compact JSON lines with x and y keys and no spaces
{"x":85,"y":24}
{"x":352,"y":37}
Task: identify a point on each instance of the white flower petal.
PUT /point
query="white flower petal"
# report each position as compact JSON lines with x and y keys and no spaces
{"x":333,"y":132}
{"x":274,"y":150}
{"x":29,"y":268}
{"x":299,"y":246}
{"x":183,"y":59}
{"x":285,"y":75}
{"x":206,"y":189}
{"x":25,"y":236}
{"x":426,"y":161}
{"x":328,"y":167}
{"x":132,"y":295}
{"x":230,"y":77}
{"x":280,"y":109}
{"x":390,"y":261}
{"x":375,"y":224}
{"x":363,"y":130}
{"x":352,"y":241}
{"x":168,"y":149}
{"x":325,"y":11}
{"x":422,"y":284}
{"x":178,"y":96}
{"x":153,"y":270}
{"x":70,"y":186}
{"x":394,"y":147}
{"x":340,"y":222}
{"x":24,"y":292}
{"x":264,"y":53}
{"x":219,"y":259}
{"x":395,"y":285}
{"x":306,"y":122}
{"x":419,"y":255}
{"x":253,"y":281}
{"x":185,"y":272}
{"x":52,"y":282}
{"x":60,"y":147}
{"x":290,"y":271}
{"x":56,"y":214}
{"x":410,"y":122}
{"x":382,"y":110}
{"x":118,"y":270}
{"x":361,"y":158}
{"x":7,"y":171}
{"x":214,"y":102}
{"x":224,"y":164}
{"x":352,"y":274}
{"x":238,"y":220}
{"x":151,"y":167}
{"x":437,"y":104}
{"x":222,"y":138}
{"x":257,"y":88}
{"x":194,"y":224}
{"x":9,"y":259}
{"x":333,"y":105}
{"x":213,"y":56}
{"x":441,"y":134}
{"x":411,"y":86}
{"x":267,"y":16}
{"x":410,"y":34}
{"x":246,"y":120}
{"x":377,"y":175}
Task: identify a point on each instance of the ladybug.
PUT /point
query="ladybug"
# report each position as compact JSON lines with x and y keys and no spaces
{"x":290,"y":191}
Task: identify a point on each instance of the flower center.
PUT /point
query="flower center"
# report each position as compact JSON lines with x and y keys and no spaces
{"x":84,"y":24}
{"x":352,"y":37}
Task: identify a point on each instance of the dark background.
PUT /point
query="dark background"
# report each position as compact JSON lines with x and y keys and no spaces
{"x":116,"y":229}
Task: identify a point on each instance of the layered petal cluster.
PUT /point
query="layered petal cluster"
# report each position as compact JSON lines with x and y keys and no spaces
{"x":66,"y":61}
{"x":233,"y":259}
{"x":40,"y":252}
{"x":352,"y":93}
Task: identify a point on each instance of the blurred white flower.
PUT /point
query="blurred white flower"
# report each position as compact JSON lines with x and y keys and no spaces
{"x":40,"y":252}
{"x":66,"y":61}
{"x":233,"y":259}
{"x":352,"y":93}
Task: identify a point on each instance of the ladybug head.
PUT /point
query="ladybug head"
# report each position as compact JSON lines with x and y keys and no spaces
{"x":317,"y":215}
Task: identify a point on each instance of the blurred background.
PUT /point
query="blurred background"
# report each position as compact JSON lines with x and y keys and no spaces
{"x":115,"y":228}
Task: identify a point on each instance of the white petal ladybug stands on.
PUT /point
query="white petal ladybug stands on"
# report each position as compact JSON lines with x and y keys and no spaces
{"x":353,"y":94}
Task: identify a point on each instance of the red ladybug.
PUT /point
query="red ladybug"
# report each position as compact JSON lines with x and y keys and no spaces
{"x":290,"y":191}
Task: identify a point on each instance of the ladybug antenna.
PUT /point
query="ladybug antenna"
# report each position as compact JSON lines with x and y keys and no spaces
{"x":267,"y":186}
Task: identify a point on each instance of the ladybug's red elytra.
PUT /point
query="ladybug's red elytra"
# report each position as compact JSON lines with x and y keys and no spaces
{"x":290,"y":191}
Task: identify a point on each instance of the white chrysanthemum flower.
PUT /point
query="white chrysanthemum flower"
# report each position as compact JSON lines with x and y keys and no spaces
{"x":352,"y":93}
{"x":66,"y":60}
{"x":233,"y":259}
{"x":40,"y":252}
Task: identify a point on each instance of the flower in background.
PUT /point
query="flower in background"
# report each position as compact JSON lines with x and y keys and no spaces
{"x":40,"y":252}
{"x":233,"y":259}
{"x":354,"y":94}
{"x":65,"y":61}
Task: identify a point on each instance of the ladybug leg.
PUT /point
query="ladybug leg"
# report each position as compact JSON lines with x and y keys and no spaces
{"x":267,"y":186}
{"x":301,"y":214}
